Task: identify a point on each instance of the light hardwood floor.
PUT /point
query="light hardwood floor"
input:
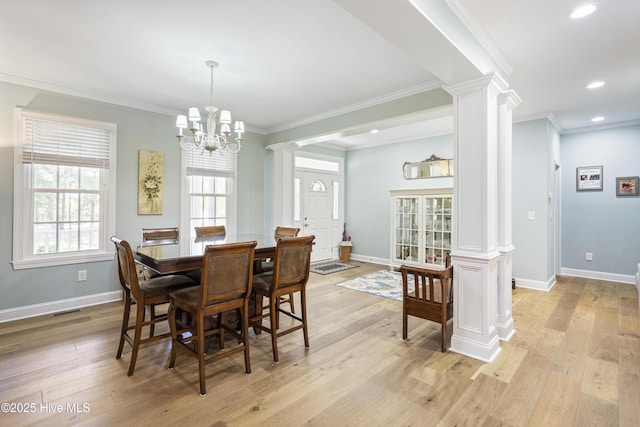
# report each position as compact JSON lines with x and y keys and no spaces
{"x":574,"y":360}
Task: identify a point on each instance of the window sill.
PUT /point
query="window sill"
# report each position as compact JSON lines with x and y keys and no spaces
{"x":54,"y":260}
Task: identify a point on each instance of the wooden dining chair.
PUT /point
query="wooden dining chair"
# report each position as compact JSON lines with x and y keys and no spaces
{"x":227,"y":272}
{"x":431,"y":299}
{"x":267,"y":265}
{"x":144,"y":294}
{"x":211,"y":231}
{"x":290,"y":274}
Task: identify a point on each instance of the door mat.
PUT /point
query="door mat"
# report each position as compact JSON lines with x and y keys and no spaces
{"x":331,"y":267}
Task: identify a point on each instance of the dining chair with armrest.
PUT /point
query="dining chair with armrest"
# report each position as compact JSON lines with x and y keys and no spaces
{"x":146,"y":294}
{"x":431,"y":298}
{"x":290,"y":274}
{"x":227,"y":272}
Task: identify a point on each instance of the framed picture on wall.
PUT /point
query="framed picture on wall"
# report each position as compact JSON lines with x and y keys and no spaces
{"x":627,"y":186}
{"x":589,"y":178}
{"x":150,"y":187}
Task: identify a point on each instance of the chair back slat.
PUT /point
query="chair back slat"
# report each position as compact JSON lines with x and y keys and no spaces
{"x":211,"y":231}
{"x":160,"y":236}
{"x":281,"y":232}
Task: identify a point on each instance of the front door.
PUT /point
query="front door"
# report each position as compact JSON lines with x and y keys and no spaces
{"x":316,"y":213}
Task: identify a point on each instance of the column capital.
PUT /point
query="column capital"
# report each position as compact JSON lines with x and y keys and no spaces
{"x":283,"y":146}
{"x":489,"y":80}
{"x":510,"y":98}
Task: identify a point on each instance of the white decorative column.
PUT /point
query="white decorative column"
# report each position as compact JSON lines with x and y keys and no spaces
{"x":283,"y":176}
{"x":474,"y":252}
{"x":507,"y":101}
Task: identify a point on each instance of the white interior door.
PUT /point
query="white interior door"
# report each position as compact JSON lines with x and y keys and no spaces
{"x":316,"y":210}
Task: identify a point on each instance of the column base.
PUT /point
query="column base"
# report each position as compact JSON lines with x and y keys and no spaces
{"x":505,"y":330}
{"x":485,"y":352}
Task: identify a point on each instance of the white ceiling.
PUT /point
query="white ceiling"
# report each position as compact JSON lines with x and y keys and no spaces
{"x":289,"y":62}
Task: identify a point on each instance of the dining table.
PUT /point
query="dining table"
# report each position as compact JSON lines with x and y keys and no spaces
{"x":186,"y":253}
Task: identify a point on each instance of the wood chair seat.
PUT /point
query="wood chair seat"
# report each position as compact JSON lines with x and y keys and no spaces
{"x":426,"y":301}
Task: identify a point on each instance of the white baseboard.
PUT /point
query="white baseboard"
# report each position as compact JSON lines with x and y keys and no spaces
{"x":599,"y":275}
{"x":538,"y":285}
{"x":58,"y":306}
{"x":372,"y":260}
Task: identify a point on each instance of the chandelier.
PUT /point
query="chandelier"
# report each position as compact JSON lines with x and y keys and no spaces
{"x":209,"y":141}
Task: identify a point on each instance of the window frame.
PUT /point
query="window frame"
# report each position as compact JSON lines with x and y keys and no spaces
{"x":23,"y":194}
{"x":231,"y":197}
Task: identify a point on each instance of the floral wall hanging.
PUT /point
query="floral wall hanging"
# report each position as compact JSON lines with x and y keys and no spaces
{"x":150,"y":174}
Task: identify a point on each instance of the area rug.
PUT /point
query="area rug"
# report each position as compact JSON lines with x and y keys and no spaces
{"x":331,"y":267}
{"x":384,"y":283}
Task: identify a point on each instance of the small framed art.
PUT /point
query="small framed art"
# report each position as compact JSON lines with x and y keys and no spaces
{"x":589,"y":178}
{"x":627,"y":186}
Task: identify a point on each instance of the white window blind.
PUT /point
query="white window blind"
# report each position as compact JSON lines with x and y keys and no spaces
{"x":211,"y":165}
{"x":60,"y":143}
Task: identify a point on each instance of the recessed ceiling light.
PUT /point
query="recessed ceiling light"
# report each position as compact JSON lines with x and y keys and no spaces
{"x":583,"y":11}
{"x":597,"y":119}
{"x":373,"y":131}
{"x":595,"y":85}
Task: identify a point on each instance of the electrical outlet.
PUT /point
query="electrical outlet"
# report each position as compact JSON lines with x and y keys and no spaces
{"x":82,"y":275}
{"x":531,"y":215}
{"x":589,"y":256}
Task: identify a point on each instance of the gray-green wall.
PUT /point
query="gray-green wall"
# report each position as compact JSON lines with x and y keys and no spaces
{"x":137,"y":130}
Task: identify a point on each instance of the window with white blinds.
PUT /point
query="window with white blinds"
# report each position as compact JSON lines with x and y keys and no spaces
{"x":64,"y":189}
{"x":210,"y":189}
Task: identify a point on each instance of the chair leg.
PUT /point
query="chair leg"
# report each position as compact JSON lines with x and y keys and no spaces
{"x":221,"y":335}
{"x":136,"y":337}
{"x":244,"y":327}
{"x":125,"y":323}
{"x":293,"y":307}
{"x":152,"y":315}
{"x":404,"y":320}
{"x":303,"y":307}
{"x":200,"y":335}
{"x":273,"y":314}
{"x":174,"y":335}
{"x":443,"y":331}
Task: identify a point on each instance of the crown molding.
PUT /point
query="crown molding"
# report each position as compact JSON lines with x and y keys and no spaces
{"x":481,"y":36}
{"x":435,"y":84}
{"x":52,"y":87}
{"x":602,"y":127}
{"x":548,"y":116}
